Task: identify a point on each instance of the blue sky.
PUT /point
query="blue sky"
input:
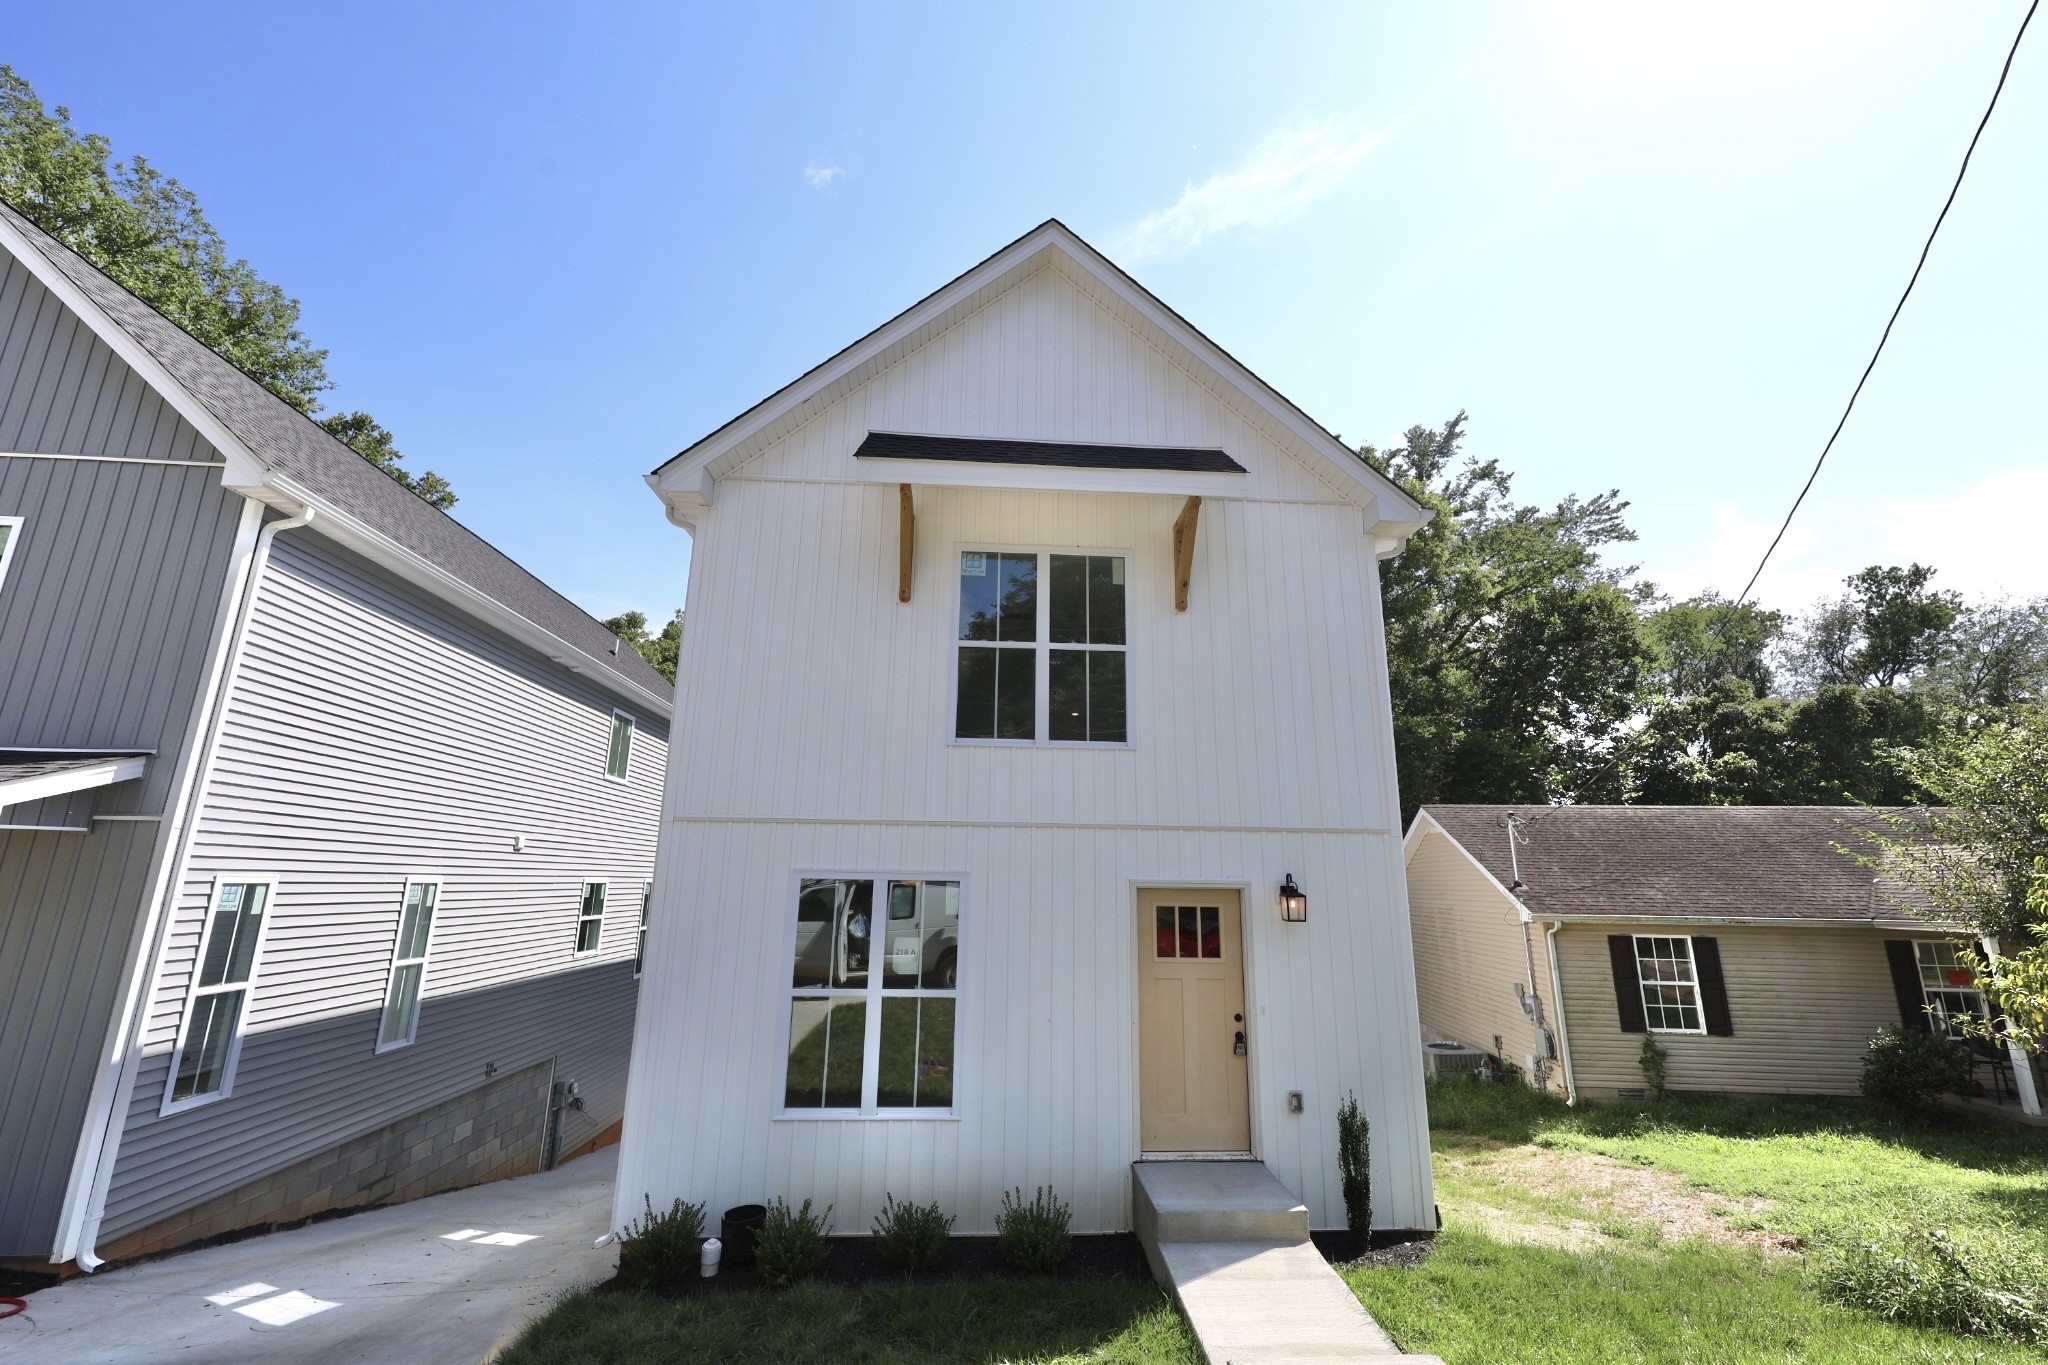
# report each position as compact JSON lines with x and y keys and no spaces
{"x":549,"y":245}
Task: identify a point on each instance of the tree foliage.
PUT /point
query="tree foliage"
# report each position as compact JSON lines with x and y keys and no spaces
{"x":659,"y":650}
{"x":148,"y":234}
{"x":1514,"y":653}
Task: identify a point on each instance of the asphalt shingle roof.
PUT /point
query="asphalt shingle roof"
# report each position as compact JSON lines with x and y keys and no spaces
{"x":299,"y":448}
{"x":1674,"y":862}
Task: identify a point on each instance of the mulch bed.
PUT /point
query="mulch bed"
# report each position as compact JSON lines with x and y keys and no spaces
{"x":17,"y":1284}
{"x":854,"y":1261}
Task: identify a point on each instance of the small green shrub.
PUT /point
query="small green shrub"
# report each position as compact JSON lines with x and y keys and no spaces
{"x":911,"y":1235}
{"x":1654,"y":1061}
{"x":1994,"y":1285}
{"x":1034,"y":1237}
{"x":790,"y":1243}
{"x":661,"y":1248}
{"x":1354,"y":1163}
{"x":1913,"y":1069}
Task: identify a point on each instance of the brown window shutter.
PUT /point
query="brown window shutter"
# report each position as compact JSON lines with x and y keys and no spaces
{"x":1906,"y":983}
{"x":1628,"y":987}
{"x":1706,"y":962}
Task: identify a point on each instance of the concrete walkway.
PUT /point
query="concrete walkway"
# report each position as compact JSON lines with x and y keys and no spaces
{"x":390,"y":1285}
{"x":1232,"y":1246}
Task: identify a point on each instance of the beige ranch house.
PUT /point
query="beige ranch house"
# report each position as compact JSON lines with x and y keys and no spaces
{"x":1759,"y":956}
{"x":1035,"y":810}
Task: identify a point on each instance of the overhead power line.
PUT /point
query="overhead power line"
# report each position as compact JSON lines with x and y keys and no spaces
{"x":2003,"y":72}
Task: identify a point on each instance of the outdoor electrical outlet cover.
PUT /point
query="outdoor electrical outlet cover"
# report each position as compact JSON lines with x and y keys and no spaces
{"x":1294,"y":1101}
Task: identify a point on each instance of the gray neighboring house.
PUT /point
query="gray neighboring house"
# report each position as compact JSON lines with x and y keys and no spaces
{"x":326,"y":830}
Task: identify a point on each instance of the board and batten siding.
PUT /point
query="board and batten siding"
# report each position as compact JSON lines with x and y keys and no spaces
{"x":1805,"y":1001}
{"x":64,"y":391}
{"x":374,"y":736}
{"x":819,"y":740}
{"x":1470,"y":956}
{"x":107,"y":614}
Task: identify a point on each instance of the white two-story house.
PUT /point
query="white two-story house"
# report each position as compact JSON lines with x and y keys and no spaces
{"x":1035,"y":647}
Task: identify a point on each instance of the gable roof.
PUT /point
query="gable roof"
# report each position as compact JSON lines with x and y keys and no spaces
{"x":281,"y":448}
{"x":1773,"y":863}
{"x":684,"y":482}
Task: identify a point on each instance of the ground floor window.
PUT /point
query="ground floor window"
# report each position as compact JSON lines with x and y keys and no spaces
{"x":217,"y":1007}
{"x":1671,"y":992}
{"x":874,"y":987}
{"x":1949,"y":985}
{"x":408,"y":965}
{"x":590,"y":918}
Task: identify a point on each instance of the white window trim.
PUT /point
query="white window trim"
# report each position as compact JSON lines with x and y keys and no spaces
{"x":1937,"y":1012}
{"x":582,"y":890}
{"x":872,"y":1045}
{"x":391,"y":972}
{"x":1699,"y":1000}
{"x":611,"y":728}
{"x":1041,"y":647}
{"x":640,"y":935}
{"x":232,"y":1064}
{"x":15,"y":527}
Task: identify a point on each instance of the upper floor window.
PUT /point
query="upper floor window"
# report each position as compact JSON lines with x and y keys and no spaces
{"x":217,"y":1005}
{"x":1042,"y":643}
{"x":621,"y":750}
{"x":590,"y":918}
{"x":408,"y":965}
{"x":1949,"y":985}
{"x":10,"y":532}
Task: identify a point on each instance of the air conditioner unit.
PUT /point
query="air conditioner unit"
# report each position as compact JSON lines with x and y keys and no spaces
{"x":1440,"y":1060}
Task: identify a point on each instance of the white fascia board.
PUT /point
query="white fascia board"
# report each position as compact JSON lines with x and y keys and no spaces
{"x":346,"y":530}
{"x":1759,"y":921}
{"x":242,"y":464}
{"x":25,"y":789}
{"x":1056,"y":478}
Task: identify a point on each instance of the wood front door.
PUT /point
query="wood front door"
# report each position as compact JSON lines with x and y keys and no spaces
{"x":1192,"y":1086}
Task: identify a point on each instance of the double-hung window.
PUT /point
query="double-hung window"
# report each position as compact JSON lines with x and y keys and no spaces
{"x":10,"y":534}
{"x":1949,"y":985}
{"x":590,"y":918}
{"x":408,"y":965}
{"x":1042,"y":648}
{"x":217,"y":1005}
{"x":1670,"y":985}
{"x":640,"y":943}
{"x":874,"y":989}
{"x":620,"y":752}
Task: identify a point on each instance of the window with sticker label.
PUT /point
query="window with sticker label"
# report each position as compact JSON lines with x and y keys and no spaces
{"x":1042,"y":644}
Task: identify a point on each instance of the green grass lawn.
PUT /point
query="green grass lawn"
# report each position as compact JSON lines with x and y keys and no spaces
{"x":1686,"y":1230}
{"x":1122,"y":1320}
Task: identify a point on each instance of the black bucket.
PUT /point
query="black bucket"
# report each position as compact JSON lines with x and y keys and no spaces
{"x":736,"y":1230}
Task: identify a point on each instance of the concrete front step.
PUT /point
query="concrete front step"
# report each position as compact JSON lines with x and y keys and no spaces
{"x":1272,"y":1303}
{"x":1214,"y":1201}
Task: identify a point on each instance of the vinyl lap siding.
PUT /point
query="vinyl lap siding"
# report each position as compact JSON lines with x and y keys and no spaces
{"x":1469,"y":955}
{"x":63,"y":390}
{"x":1804,"y":1002}
{"x":373,"y":736}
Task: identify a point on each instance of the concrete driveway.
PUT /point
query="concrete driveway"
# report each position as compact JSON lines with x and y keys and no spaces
{"x":447,"y":1279}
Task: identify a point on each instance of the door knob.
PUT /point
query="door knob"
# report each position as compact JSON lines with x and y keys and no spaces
{"x":1239,"y":1049}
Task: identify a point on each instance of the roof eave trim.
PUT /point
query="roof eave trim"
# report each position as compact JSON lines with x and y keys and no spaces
{"x":1413,"y":844}
{"x":1760,"y":921}
{"x":348,"y":530}
{"x":23,"y":790}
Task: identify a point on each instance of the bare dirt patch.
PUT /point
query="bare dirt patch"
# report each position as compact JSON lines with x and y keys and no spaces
{"x":1576,"y":1202}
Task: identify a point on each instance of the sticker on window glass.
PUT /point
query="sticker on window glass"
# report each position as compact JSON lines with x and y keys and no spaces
{"x":1116,"y":571}
{"x":973,"y":564}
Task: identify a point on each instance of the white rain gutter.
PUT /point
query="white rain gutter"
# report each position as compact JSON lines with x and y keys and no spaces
{"x":1564,"y":1037}
{"x":129,"y":1055}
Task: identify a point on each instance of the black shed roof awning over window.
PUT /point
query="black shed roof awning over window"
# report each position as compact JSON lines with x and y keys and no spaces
{"x":894,"y":445}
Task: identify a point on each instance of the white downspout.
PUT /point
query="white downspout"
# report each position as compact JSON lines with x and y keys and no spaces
{"x":2022,"y":1065}
{"x":131,"y":1049}
{"x":1564,"y":1037}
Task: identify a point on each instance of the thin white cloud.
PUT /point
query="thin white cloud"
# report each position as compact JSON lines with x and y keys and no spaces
{"x":1278,"y":180}
{"x":821,"y":177}
{"x":1985,"y":540}
{"x":1729,"y":555}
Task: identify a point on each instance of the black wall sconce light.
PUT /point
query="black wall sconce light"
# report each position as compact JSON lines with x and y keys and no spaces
{"x":1293,"y":902}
